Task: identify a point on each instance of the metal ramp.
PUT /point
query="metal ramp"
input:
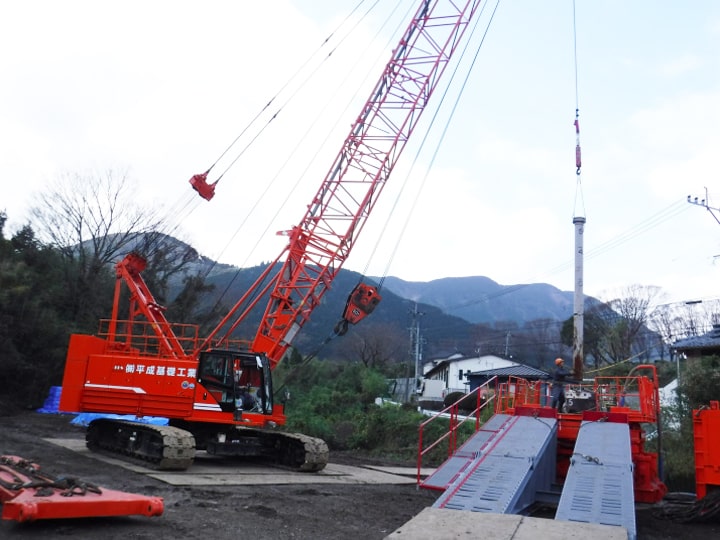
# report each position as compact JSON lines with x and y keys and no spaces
{"x":501,"y":468}
{"x":448,"y":472}
{"x":599,"y":484}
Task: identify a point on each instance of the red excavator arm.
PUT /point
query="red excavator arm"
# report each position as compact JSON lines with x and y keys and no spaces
{"x":320,"y":244}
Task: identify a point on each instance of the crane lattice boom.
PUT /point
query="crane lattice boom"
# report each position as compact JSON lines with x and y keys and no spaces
{"x":320,"y":244}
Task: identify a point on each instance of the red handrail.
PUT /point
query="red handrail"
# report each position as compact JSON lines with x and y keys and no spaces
{"x":485,"y":396}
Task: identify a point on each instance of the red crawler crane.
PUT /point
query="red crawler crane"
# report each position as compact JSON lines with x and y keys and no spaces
{"x":147,"y":366}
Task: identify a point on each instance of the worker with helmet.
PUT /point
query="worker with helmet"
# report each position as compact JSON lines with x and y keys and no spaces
{"x":558,"y":384}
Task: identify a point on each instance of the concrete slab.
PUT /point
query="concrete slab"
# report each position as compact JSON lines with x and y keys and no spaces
{"x":212,"y":471}
{"x":456,"y":524}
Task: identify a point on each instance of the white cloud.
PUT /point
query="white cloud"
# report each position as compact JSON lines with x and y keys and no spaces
{"x":681,"y":66}
{"x":161,"y":88}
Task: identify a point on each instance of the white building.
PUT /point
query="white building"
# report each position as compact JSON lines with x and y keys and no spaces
{"x":453,"y":371}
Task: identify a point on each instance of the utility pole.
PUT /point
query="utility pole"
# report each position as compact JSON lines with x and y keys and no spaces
{"x":416,"y":341}
{"x":705,"y":203}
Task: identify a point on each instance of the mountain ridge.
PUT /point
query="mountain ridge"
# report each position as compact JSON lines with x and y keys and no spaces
{"x":479,"y":299}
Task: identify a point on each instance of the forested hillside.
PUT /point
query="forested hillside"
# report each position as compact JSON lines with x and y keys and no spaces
{"x":50,"y":289}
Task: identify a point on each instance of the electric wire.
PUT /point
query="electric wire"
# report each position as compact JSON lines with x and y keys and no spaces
{"x":666,"y":214}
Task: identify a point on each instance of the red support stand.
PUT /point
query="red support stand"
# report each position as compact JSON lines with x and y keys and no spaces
{"x":27,"y":495}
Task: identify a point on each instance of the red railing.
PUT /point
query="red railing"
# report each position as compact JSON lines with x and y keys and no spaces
{"x":482,"y":397}
{"x":517,"y":392}
{"x":635,"y":394}
{"x":133,"y":337}
{"x":139,"y":336}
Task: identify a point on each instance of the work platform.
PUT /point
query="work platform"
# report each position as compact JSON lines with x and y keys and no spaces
{"x":510,"y":464}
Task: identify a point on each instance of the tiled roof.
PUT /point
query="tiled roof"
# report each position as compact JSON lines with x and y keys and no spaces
{"x":711,"y":340}
{"x":518,"y":370}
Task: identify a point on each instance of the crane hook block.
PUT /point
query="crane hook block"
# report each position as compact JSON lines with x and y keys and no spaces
{"x":362,"y":301}
{"x":199,"y":184}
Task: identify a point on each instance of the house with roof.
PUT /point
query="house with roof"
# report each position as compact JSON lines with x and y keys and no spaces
{"x":453,"y":371}
{"x":697,"y":346}
{"x":459,"y":373}
{"x":519,"y":371}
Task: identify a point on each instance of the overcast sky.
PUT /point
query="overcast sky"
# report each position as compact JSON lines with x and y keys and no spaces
{"x":158,"y":90}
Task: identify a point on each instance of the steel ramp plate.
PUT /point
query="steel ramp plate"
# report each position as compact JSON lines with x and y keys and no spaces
{"x":446,"y":473}
{"x":489,"y":487}
{"x":599,"y":484}
{"x":500,"y":478}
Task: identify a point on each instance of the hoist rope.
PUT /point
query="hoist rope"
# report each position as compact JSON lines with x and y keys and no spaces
{"x":299,"y":178}
{"x":283,"y":88}
{"x":290,"y":192}
{"x":186,"y":204}
{"x":579,"y":199}
{"x":294,"y":92}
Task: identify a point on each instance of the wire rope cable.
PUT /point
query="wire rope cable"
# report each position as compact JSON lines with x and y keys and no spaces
{"x":188,"y":202}
{"x":579,"y":198}
{"x":439,"y":142}
{"x":270,"y":219}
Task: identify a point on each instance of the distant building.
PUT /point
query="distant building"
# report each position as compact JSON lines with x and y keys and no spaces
{"x":454,"y":370}
{"x":459,"y":373}
{"x":696,"y":346}
{"x":520,"y":371}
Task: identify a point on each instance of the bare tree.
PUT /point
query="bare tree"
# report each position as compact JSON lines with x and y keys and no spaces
{"x":91,"y":220}
{"x":634,"y":308}
{"x":684,"y":319}
{"x":376,"y":345}
{"x":539,"y":342}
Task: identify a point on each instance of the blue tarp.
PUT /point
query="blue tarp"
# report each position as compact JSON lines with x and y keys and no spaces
{"x":52,"y":403}
{"x":83,"y":419}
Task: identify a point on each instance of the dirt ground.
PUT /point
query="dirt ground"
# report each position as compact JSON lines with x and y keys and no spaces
{"x":301,"y":511}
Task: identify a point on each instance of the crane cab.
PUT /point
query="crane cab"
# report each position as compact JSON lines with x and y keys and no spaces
{"x":238,"y":381}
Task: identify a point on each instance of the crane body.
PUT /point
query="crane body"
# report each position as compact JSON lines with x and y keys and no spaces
{"x":216,"y":391}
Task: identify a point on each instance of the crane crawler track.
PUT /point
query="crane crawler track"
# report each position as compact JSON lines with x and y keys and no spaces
{"x":156,"y":447}
{"x":298,"y":452}
{"x":290,"y":451}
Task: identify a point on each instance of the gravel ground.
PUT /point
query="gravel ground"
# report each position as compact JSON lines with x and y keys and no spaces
{"x":303,"y":511}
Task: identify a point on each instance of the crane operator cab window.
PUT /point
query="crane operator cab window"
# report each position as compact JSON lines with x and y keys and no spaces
{"x":237,"y":381}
